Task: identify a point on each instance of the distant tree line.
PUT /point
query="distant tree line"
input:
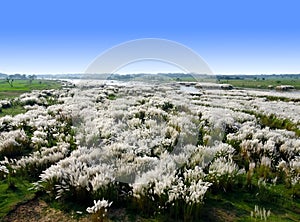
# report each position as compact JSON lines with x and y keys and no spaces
{"x":21,"y":76}
{"x":10,"y":78}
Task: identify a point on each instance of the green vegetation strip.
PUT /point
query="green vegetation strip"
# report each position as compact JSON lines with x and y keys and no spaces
{"x":13,"y":191}
{"x":12,"y":111}
{"x":270,"y":121}
{"x":262,"y":83}
{"x":21,"y":86}
{"x":274,"y":122}
{"x":237,"y":204}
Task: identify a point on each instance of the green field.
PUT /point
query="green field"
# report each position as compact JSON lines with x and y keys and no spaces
{"x":13,"y":191}
{"x":262,"y":83}
{"x":21,"y":86}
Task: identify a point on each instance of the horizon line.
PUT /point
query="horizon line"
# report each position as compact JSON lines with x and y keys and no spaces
{"x":145,"y":73}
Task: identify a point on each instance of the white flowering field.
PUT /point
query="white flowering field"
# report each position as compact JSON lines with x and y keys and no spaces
{"x":160,"y":151}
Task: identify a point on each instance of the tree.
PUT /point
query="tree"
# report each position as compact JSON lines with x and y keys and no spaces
{"x":31,"y":78}
{"x":10,"y":81}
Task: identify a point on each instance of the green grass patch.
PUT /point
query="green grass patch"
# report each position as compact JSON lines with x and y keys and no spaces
{"x":19,"y":87}
{"x":280,"y":98}
{"x":22,"y":86}
{"x":261,"y":83}
{"x":274,"y":122}
{"x":238,"y":204}
{"x":12,"y":111}
{"x":12,"y":193}
{"x":112,"y":96}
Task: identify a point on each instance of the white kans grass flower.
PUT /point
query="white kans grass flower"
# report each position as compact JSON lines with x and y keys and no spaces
{"x":295,"y":170}
{"x":256,"y":101}
{"x":223,"y":166}
{"x":5,"y":104}
{"x":195,"y":174}
{"x":102,"y":178}
{"x":3,"y":171}
{"x":12,"y":141}
{"x":166,"y":144}
{"x":265,"y":161}
{"x":196,"y":192}
{"x":261,"y":213}
{"x":45,"y":156}
{"x":99,"y":205}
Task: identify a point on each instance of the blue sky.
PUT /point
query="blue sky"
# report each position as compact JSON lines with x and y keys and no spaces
{"x":232,"y":36}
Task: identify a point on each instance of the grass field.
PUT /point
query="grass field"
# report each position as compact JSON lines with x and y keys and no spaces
{"x":22,"y":86}
{"x":13,"y":192}
{"x":261,"y":83}
{"x":251,"y":82}
{"x":19,"y":87}
{"x":234,"y":202}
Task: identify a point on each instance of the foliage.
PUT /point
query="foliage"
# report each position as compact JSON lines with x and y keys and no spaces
{"x":157,"y":153}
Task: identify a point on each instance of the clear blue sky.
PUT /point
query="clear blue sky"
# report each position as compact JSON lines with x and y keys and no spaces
{"x":232,"y":36}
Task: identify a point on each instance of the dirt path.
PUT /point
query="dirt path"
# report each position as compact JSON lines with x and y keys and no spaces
{"x":38,"y":211}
